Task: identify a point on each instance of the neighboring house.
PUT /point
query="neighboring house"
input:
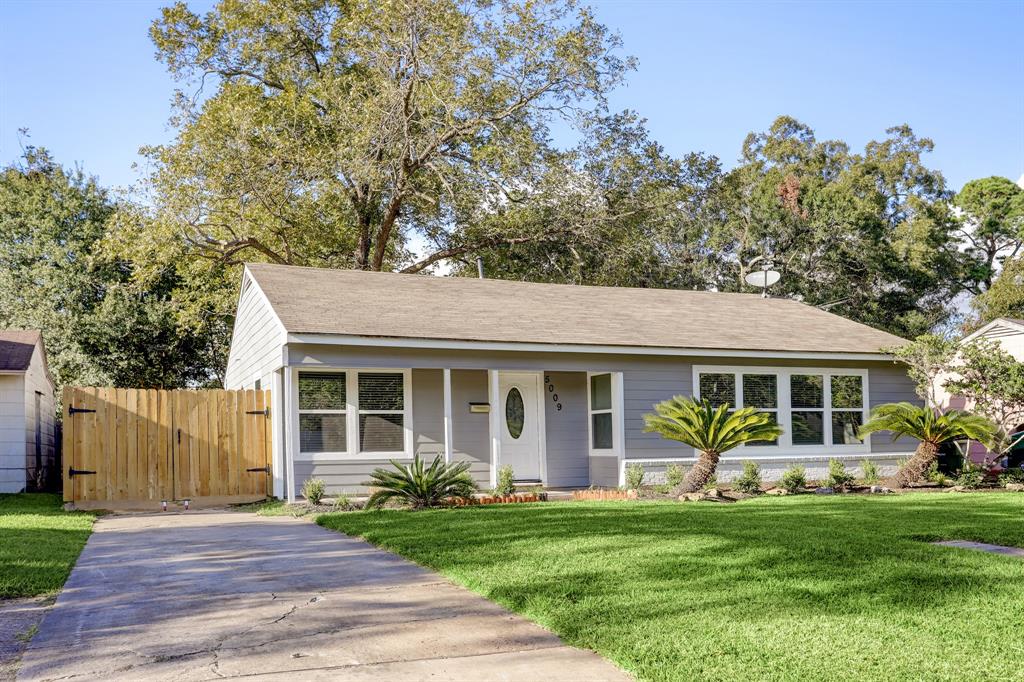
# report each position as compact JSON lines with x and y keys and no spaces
{"x":1009,"y":334}
{"x":27,"y":412}
{"x":552,"y":379}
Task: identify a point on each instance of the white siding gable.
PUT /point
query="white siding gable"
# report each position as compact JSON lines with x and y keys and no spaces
{"x":257,"y":342}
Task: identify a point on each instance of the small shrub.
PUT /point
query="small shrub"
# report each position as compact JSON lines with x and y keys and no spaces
{"x":838,"y":476}
{"x":749,"y":481}
{"x":712,"y":482}
{"x":663,"y":488}
{"x":313,"y":490}
{"x":970,"y":477}
{"x":1011,"y":476}
{"x":506,"y":481}
{"x":870,"y":470}
{"x":418,"y":486}
{"x":634,"y":476}
{"x":674,"y":475}
{"x":794,"y":479}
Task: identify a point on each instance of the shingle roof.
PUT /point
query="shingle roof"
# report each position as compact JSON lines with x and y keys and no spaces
{"x":375,"y":304}
{"x":16,"y":348}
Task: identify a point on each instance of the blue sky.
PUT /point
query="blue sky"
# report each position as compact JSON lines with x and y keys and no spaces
{"x":82,"y":77}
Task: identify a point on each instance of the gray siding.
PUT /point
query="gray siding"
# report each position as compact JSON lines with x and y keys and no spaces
{"x":642,"y":388}
{"x":37,"y":382}
{"x":12,"y":433}
{"x":428,"y":413}
{"x":889,"y":383}
{"x":604,"y":471}
{"x":257,"y":342}
{"x":471,"y":432}
{"x":566,"y":442}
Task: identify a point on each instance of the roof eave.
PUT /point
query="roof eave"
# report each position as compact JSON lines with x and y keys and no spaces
{"x":457,"y":344}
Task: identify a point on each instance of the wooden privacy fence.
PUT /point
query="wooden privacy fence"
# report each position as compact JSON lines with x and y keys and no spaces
{"x":127,"y":444}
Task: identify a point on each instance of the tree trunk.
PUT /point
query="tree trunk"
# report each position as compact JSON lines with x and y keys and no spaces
{"x":700,"y":474}
{"x":915,"y":468}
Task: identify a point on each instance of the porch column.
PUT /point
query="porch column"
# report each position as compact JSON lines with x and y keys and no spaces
{"x":291,"y":390}
{"x":494,"y":398}
{"x":447,"y":415}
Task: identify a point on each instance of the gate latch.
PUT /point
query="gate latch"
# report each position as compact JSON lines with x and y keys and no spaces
{"x":72,"y":472}
{"x":265,"y":412}
{"x":265,"y":469}
{"x":74,"y":410}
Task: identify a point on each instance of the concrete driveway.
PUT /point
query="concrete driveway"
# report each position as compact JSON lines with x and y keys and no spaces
{"x":209,"y":595}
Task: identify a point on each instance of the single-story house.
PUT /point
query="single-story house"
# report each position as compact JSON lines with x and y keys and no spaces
{"x":27,"y":412}
{"x":551,"y":379}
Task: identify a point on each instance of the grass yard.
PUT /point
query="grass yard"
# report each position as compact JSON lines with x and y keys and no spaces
{"x":807,"y":587}
{"x":39,"y":543}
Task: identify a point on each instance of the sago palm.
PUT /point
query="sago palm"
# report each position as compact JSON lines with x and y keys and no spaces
{"x":711,"y":430}
{"x":420,"y":486}
{"x":931,"y":428}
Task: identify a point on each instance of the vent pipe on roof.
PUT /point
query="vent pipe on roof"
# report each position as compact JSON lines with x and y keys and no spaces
{"x":480,"y":266}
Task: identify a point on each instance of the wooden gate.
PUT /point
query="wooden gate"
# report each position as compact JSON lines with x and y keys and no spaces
{"x":127,"y":444}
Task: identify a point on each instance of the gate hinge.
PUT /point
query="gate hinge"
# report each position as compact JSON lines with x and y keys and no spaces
{"x":72,"y":472}
{"x":72,"y":410}
{"x":265,"y":469}
{"x":265,"y":411}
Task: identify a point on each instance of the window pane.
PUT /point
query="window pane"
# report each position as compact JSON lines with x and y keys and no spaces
{"x":601,"y":392}
{"x":322,"y":433}
{"x":718,"y":389}
{"x":602,"y":426}
{"x":321,"y":391}
{"x":774,"y":420}
{"x":515,"y":412}
{"x":380,"y":391}
{"x":847,"y":391}
{"x":845,"y":426}
{"x":808,"y":428}
{"x":807,"y":390}
{"x":760,"y":390}
{"x":381,"y":433}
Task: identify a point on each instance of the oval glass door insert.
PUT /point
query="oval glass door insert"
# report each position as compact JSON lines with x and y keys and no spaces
{"x":514,"y":412}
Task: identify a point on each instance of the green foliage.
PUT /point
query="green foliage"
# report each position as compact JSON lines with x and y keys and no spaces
{"x":935,"y":476}
{"x":417,"y":486}
{"x":749,"y":481}
{"x":39,"y":543}
{"x":347,"y":129}
{"x":313,"y":490}
{"x":927,"y":425}
{"x":674,"y":474}
{"x":928,"y":358}
{"x":993,"y":218}
{"x":794,"y":478}
{"x":870,"y":471}
{"x":1005,"y":298}
{"x":970,"y":476}
{"x":993,"y":381}
{"x":634,"y":476}
{"x":838,"y":476}
{"x":506,"y":481}
{"x":58,"y":273}
{"x":811,"y":575}
{"x":709,"y":429}
{"x":711,"y":483}
{"x":1015,"y":475}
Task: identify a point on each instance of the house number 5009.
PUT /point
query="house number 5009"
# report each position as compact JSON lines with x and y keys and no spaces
{"x":551,"y":390}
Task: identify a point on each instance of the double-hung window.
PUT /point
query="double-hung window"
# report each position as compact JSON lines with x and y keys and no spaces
{"x":816,"y":408}
{"x":354,"y":412}
{"x":601,"y":427}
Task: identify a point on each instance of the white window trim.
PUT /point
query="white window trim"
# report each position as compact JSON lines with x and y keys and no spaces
{"x":617,"y":417}
{"x":785,"y":447}
{"x":352,"y":413}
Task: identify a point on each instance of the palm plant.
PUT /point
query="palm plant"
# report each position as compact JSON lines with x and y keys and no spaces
{"x":711,"y":430}
{"x":419,"y":486}
{"x":929,"y":426}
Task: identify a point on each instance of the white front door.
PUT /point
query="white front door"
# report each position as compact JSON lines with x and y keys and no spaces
{"x":520,"y":424}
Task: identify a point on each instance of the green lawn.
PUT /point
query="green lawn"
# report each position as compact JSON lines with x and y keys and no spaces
{"x":39,"y":543}
{"x":808,"y":587}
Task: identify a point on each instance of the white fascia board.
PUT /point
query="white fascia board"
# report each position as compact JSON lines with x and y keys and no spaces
{"x":999,"y":321}
{"x":444,"y":344}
